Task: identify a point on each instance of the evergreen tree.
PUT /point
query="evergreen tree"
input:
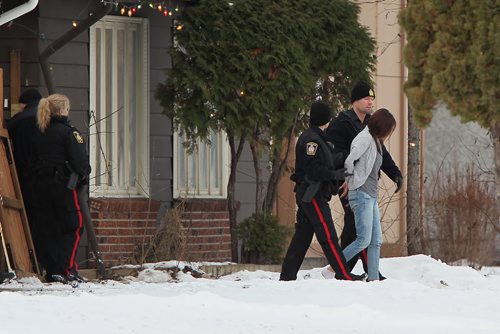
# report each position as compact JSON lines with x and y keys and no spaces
{"x":453,"y":56}
{"x":340,"y":52}
{"x":251,"y":68}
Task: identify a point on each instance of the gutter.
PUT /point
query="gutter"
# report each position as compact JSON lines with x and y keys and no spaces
{"x":18,"y":11}
{"x":65,"y":39}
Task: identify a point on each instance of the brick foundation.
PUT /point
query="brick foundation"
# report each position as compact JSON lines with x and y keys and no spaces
{"x":207,"y":228}
{"x":122,"y":224}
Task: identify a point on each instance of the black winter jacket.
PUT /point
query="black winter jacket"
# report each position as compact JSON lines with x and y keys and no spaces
{"x":341,"y":133}
{"x":60,"y":143}
{"x":315,"y":161}
{"x":21,"y":128}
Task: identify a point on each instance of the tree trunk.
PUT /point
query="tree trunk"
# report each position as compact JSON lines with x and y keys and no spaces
{"x":414,"y":228}
{"x":254,"y":147}
{"x":231,"y":201}
{"x":278,"y":165}
{"x":495,"y":133}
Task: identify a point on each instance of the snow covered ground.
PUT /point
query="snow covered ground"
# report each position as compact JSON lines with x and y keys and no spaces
{"x":422,"y":295}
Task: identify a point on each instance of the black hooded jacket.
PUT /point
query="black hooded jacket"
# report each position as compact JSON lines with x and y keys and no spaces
{"x":341,"y":133}
{"x":22,"y":126}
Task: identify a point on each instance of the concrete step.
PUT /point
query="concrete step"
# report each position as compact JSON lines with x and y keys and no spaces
{"x":217,"y":270}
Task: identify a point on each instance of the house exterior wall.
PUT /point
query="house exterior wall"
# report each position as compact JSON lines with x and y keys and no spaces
{"x":21,"y":36}
{"x":246,"y":182}
{"x":122,"y":225}
{"x":160,"y":133}
{"x":125,"y":227}
{"x":381,"y":17}
{"x":206,"y":226}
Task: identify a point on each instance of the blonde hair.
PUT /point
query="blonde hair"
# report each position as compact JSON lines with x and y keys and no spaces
{"x":48,"y":107}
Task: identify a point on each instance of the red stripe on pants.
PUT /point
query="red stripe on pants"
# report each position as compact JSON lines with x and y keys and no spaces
{"x":77,"y":233}
{"x":330,"y":242}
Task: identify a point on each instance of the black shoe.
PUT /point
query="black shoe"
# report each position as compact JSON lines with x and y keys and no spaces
{"x":381,"y":277}
{"x":6,"y":276}
{"x":56,"y":278}
{"x":354,"y":277}
{"x":75,"y":277}
{"x":361,"y":277}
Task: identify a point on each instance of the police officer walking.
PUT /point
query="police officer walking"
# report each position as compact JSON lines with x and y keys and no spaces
{"x":316,"y":178}
{"x":61,"y":164}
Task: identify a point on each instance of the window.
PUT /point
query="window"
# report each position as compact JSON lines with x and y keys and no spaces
{"x":119,"y":88}
{"x":204,"y":173}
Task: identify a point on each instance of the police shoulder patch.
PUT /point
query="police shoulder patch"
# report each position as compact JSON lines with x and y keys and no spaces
{"x":78,"y":137}
{"x":311,"y":148}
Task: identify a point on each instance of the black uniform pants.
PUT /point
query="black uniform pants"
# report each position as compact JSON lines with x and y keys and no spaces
{"x":27,"y":192}
{"x":348,"y":235}
{"x":59,"y":225}
{"x":314,"y":218}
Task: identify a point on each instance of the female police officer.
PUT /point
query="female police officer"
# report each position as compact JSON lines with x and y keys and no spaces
{"x":316,"y":179}
{"x":60,"y":164}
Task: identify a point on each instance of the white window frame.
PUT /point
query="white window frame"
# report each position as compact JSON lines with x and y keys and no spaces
{"x":184,"y":191}
{"x":141,"y":184}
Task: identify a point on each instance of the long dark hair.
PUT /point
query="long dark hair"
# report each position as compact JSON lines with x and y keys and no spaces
{"x":381,"y":124}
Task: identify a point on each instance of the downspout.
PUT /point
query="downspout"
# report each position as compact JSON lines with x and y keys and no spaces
{"x":64,"y":39}
{"x":18,"y":11}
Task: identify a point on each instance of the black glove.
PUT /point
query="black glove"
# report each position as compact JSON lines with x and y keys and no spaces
{"x":339,"y":174}
{"x":399,"y":183}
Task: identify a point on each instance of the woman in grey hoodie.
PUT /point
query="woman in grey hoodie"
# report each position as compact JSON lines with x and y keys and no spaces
{"x":363,"y":162}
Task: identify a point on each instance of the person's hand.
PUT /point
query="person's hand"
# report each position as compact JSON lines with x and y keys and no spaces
{"x":339,"y":174}
{"x":344,"y":189}
{"x":399,"y":183}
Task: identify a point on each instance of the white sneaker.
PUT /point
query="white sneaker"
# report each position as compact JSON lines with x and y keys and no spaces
{"x":327,"y":274}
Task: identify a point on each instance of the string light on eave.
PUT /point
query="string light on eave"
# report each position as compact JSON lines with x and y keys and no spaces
{"x":130,"y":8}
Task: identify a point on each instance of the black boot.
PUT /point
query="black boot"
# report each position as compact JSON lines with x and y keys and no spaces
{"x":6,"y":276}
{"x":75,"y":277}
{"x":56,"y":278}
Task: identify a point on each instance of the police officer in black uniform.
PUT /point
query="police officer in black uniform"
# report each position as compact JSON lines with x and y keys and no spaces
{"x":22,"y":126}
{"x":341,"y":133}
{"x":61,"y":165}
{"x":316,"y":179}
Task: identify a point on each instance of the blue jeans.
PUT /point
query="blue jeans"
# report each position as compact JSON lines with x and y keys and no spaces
{"x":368,"y":230}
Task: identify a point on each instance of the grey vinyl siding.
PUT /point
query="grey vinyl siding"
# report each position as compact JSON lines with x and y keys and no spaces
{"x":22,"y":36}
{"x":70,"y":64}
{"x":246,"y":183}
{"x":161,"y":139}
